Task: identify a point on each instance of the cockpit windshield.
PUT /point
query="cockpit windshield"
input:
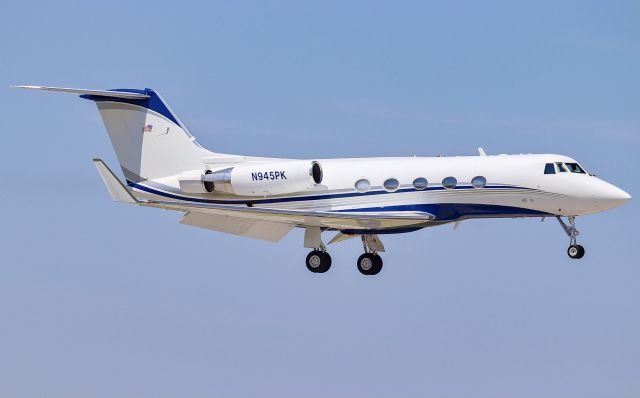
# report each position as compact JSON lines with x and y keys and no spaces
{"x":575,"y":168}
{"x":550,"y":168}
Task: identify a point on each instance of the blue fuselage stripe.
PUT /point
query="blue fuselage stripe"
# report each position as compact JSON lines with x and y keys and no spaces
{"x":443,"y":212}
{"x":456,"y":211}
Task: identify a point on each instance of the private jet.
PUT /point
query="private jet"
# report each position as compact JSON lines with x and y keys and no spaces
{"x":165,"y":167}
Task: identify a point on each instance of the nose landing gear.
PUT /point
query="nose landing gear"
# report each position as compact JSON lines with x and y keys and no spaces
{"x":575,"y":251}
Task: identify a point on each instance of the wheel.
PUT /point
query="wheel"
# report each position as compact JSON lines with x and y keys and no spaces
{"x":377,"y":265}
{"x":365,"y":263}
{"x":326,"y":261}
{"x":369,"y":264}
{"x":318,"y":261}
{"x":575,"y":252}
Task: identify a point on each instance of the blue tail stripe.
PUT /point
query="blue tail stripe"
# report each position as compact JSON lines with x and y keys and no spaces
{"x":154,"y":102}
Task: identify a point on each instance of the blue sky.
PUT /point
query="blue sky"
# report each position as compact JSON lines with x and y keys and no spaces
{"x":99,"y":299}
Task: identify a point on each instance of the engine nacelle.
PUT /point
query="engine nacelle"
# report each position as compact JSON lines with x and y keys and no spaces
{"x":192,"y":181}
{"x":258,"y":179}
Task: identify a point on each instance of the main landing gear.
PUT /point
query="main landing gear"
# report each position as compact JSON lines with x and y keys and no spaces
{"x":370,"y":263}
{"x":575,"y":251}
{"x":319,"y":261}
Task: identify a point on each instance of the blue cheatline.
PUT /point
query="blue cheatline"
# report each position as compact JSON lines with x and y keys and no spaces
{"x":442,"y":211}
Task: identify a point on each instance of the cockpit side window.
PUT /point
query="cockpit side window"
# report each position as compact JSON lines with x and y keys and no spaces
{"x":549,"y":169}
{"x":561,"y":167}
{"x":575,"y":168}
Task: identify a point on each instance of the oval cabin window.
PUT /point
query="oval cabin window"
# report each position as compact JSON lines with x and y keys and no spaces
{"x":479,"y":182}
{"x":420,"y":183}
{"x":449,"y":182}
{"x":391,"y":184}
{"x":362,"y":185}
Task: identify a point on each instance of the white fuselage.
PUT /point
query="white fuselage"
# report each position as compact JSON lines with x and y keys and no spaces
{"x":516,"y":186}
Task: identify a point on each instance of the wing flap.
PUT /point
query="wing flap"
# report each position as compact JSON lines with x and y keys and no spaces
{"x":264,"y":230}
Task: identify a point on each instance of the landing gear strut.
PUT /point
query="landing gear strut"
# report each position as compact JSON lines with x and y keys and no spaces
{"x":575,"y":251}
{"x":370,"y":263}
{"x":318,"y":261}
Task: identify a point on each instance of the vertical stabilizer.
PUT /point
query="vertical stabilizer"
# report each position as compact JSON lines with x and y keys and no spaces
{"x":148,"y":138}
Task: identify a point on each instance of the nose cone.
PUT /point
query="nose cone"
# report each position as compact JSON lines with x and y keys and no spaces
{"x":609,"y":196}
{"x":620,"y":195}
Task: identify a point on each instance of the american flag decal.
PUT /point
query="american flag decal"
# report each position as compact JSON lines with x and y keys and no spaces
{"x":147,"y":128}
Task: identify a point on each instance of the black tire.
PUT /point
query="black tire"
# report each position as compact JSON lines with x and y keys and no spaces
{"x":318,"y":261}
{"x":377,"y":265}
{"x":581,"y":251}
{"x":576,"y":252}
{"x":326,"y":262}
{"x":366,"y":264}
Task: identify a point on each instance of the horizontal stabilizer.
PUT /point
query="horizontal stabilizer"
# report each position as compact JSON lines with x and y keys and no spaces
{"x":98,"y":93}
{"x":118,"y":192}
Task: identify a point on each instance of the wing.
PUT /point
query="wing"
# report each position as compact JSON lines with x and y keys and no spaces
{"x":208,"y":215}
{"x":304,"y":218}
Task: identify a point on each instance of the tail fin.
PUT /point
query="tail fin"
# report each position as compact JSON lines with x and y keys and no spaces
{"x":148,"y":138}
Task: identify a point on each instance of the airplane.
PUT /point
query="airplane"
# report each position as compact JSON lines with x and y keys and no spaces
{"x":265,"y":198}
